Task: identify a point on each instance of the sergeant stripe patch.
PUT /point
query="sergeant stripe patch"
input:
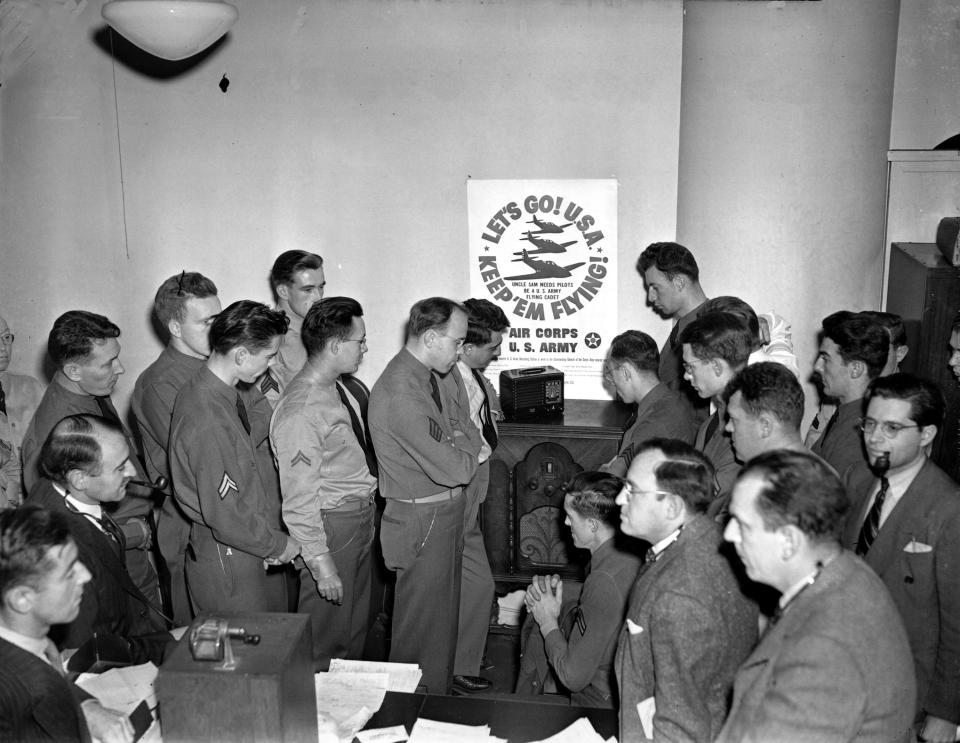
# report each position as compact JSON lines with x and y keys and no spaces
{"x":226,"y":485}
{"x":268,"y":383}
{"x":300,"y":458}
{"x":435,"y":431}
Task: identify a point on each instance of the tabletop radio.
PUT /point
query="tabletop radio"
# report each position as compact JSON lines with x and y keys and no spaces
{"x":532,"y":392}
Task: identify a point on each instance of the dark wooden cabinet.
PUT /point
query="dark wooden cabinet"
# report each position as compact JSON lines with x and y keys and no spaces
{"x":590,"y":430}
{"x":925,"y":291}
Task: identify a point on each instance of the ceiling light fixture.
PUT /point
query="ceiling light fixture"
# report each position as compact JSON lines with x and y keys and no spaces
{"x":170,"y":29}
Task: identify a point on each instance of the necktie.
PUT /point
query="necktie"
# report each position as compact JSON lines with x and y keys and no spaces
{"x":830,"y":423}
{"x":53,"y":657}
{"x":486,"y":417}
{"x":363,"y":435}
{"x":112,"y":530}
{"x":242,"y":413}
{"x":712,"y":425}
{"x":3,"y":400}
{"x":435,"y":391}
{"x":871,"y":524}
{"x":107,"y":410}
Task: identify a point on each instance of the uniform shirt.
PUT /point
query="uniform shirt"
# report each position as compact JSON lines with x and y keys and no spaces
{"x":153,"y":397}
{"x":290,"y":359}
{"x":57,"y":403}
{"x":842,"y":445}
{"x":321,"y":463}
{"x":223,"y":477}
{"x":662,"y":413}
{"x":420,"y":450}
{"x":23,"y":395}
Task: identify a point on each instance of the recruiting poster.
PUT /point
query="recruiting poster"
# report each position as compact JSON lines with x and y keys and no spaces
{"x":546,"y":253}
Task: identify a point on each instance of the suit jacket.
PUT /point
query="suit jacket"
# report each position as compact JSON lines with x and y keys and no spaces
{"x":688,"y":629}
{"x":835,"y":667}
{"x":662,"y":413}
{"x":917,"y":555}
{"x":718,"y":448}
{"x":36,"y":702}
{"x":111,"y":602}
{"x":842,"y":445}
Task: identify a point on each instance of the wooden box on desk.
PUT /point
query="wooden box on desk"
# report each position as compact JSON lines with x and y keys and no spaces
{"x":268,"y":696}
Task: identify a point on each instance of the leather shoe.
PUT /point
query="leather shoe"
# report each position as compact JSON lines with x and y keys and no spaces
{"x":470,"y":684}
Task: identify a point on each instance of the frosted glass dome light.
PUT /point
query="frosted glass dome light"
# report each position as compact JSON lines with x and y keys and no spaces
{"x":170,"y":29}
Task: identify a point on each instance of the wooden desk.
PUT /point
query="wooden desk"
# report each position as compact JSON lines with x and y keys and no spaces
{"x":517,"y":720}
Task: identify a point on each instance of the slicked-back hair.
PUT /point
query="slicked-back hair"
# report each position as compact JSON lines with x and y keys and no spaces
{"x":801,"y":490}
{"x":74,"y":333}
{"x":858,"y":338}
{"x":670,"y":259}
{"x":637,"y":348}
{"x":769,"y":387}
{"x":686,"y":472}
{"x":27,"y":534}
{"x":170,"y":302}
{"x":431,"y":313}
{"x":74,"y":444}
{"x":593,"y":495}
{"x":483,"y":319}
{"x":892,"y":323}
{"x":246,"y":323}
{"x":738,"y":308}
{"x":331,"y":317}
{"x":927,"y":404}
{"x":289,"y":263}
{"x":719,"y":335}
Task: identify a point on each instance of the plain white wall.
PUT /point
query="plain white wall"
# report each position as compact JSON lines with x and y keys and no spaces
{"x":785,"y":122}
{"x":348,"y":128}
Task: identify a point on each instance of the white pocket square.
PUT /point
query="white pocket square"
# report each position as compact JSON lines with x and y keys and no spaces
{"x":915,"y":547}
{"x":633,"y":628}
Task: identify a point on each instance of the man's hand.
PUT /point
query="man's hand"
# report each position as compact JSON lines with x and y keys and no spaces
{"x":107,"y":725}
{"x":938,"y":730}
{"x":544,"y":599}
{"x":324,"y":572}
{"x":289,"y":552}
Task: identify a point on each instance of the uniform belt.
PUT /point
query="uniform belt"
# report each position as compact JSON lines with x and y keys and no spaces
{"x":435,"y":498}
{"x":354,"y":504}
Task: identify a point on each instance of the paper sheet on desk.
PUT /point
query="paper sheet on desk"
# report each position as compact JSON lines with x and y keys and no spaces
{"x":347,"y":701}
{"x":403,"y":676}
{"x":431,"y":731}
{"x":123,"y":689}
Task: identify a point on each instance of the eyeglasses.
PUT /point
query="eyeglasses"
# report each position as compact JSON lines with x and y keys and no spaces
{"x":608,"y":371}
{"x":459,"y":341}
{"x":361,"y":341}
{"x":634,"y":491}
{"x":889,"y":429}
{"x":6,"y":338}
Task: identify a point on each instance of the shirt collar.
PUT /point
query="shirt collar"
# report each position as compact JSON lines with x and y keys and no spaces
{"x":95,"y":511}
{"x":33,"y":645}
{"x":660,"y":546}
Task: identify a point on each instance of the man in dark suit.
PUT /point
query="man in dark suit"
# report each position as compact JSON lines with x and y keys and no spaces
{"x":834,"y":663}
{"x":41,"y":583}
{"x":853,"y":351}
{"x":906,"y":524}
{"x":688,"y":626}
{"x":86,"y":465}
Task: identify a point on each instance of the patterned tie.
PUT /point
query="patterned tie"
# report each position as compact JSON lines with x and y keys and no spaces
{"x":363,"y":435}
{"x":3,"y":400}
{"x":871,"y":524}
{"x":486,"y":417}
{"x":435,"y":391}
{"x":242,"y":412}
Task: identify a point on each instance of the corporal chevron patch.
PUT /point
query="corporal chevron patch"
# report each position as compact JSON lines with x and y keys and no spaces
{"x":301,"y":458}
{"x":226,"y":485}
{"x":434,"y":429}
{"x":267,"y":383}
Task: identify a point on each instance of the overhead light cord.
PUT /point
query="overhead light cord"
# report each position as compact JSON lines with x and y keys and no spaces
{"x":116,"y":113}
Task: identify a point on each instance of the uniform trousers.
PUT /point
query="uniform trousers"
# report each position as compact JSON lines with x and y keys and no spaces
{"x":340,"y":630}
{"x":476,"y":583}
{"x":173,"y":533}
{"x":221,"y":578}
{"x":423,"y":544}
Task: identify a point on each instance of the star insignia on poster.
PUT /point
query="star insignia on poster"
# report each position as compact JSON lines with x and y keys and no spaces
{"x":301,"y":458}
{"x":226,"y":485}
{"x":434,"y":429}
{"x":268,"y":383}
{"x":592,"y":340}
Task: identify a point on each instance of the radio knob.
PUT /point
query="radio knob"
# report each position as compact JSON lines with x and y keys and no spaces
{"x":532,"y":483}
{"x":549,"y":490}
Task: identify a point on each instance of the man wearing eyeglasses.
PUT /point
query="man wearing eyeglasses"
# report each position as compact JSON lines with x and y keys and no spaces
{"x":328,"y":478}
{"x":688,"y":627}
{"x":428,"y":451}
{"x":19,"y":397}
{"x":905,"y":523}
